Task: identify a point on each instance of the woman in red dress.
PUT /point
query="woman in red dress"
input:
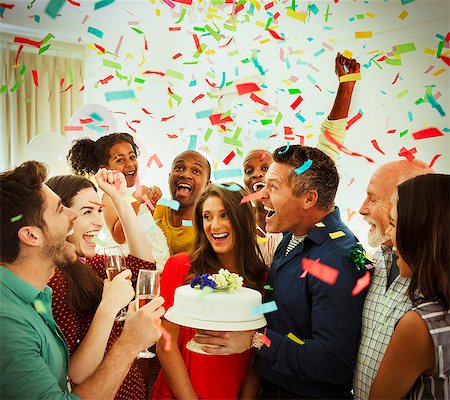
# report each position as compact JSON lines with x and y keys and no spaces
{"x":85,"y":304}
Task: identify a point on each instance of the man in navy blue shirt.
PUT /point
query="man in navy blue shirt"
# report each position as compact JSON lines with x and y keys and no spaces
{"x":315,"y":331}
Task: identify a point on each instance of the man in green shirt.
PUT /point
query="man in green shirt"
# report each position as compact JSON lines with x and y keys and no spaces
{"x":33,"y":351}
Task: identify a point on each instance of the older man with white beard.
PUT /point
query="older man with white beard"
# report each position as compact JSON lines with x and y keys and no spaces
{"x":386,"y":300}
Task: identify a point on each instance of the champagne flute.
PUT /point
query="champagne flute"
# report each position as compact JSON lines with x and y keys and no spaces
{"x":115,"y":262}
{"x":147,"y":288}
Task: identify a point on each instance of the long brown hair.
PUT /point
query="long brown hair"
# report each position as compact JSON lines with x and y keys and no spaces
{"x":248,"y":256}
{"x":84,"y":287}
{"x":423,"y":236}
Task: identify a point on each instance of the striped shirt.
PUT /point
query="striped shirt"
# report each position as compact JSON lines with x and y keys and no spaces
{"x":382,"y":309}
{"x":436,"y":386}
{"x":295,"y":240}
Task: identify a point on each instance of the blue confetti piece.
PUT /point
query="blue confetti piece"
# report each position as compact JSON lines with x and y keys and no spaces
{"x":234,"y":187}
{"x":314,"y":8}
{"x":311,"y":79}
{"x":193,"y":82}
{"x":53,"y":8}
{"x":37,"y":19}
{"x":410,"y":116}
{"x":102,"y":3}
{"x":203,"y":114}
{"x":222,"y":84}
{"x":300,"y":117}
{"x":263,"y":134}
{"x":120,"y":95}
{"x":192,"y":142}
{"x":96,"y":117}
{"x":304,"y":167}
{"x":186,"y":222}
{"x":173,"y":204}
{"x":95,"y":32}
{"x":320,"y":113}
{"x":286,"y":148}
{"x":227,"y":173}
{"x":265,"y":308}
{"x":95,"y":128}
{"x":319,"y":52}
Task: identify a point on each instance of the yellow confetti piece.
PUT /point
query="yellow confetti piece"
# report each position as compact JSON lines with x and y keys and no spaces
{"x":210,"y":52}
{"x":370,"y":15}
{"x":403,"y":15}
{"x":297,"y":15}
{"x":39,"y":307}
{"x":320,"y":225}
{"x":256,"y":4}
{"x":363,"y":34}
{"x":264,"y":41}
{"x":439,"y":72}
{"x":129,"y":199}
{"x":336,"y":235}
{"x":347,"y":54}
{"x":261,"y":239}
{"x":309,"y":136}
{"x":287,"y":82}
{"x":158,"y":12}
{"x":350,"y":77}
{"x":295,"y":338}
{"x":260,"y":24}
{"x":427,"y":50}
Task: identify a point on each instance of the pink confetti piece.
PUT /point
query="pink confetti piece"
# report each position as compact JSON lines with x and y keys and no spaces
{"x":169,"y":3}
{"x":86,"y":17}
{"x":343,"y":149}
{"x":147,"y":201}
{"x":251,"y":197}
{"x":69,"y":128}
{"x":361,"y":284}
{"x":434,"y":160}
{"x":431,"y":67}
{"x":320,"y":271}
{"x":427,"y":133}
{"x":265,"y":340}
{"x":375,"y":144}
{"x":156,"y":159}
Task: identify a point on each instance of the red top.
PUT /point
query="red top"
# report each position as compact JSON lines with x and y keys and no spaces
{"x":75,"y":325}
{"x":212,"y":377}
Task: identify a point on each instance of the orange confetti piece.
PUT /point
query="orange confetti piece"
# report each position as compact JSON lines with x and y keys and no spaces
{"x":361,"y":284}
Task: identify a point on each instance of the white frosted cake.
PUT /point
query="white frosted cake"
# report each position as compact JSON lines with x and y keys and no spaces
{"x":216,"y":309}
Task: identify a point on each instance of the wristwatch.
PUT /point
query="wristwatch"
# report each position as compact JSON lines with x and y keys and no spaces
{"x":256,"y":339}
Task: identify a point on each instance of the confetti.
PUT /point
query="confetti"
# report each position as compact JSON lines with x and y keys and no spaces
{"x":350,"y":77}
{"x":39,"y":306}
{"x":408,"y":154}
{"x":186,"y":222}
{"x":156,"y":159}
{"x":267,"y":287}
{"x":234,"y":187}
{"x":434,"y":160}
{"x":99,"y":242}
{"x":304,"y":167}
{"x":120,"y":95}
{"x":244,"y":88}
{"x":336,"y":235}
{"x":427,"y":133}
{"x":147,"y":201}
{"x":53,"y":8}
{"x":295,"y":338}
{"x":265,"y":308}
{"x":361,"y":284}
{"x":16,"y":218}
{"x":229,"y":157}
{"x":251,"y":197}
{"x":173,"y":204}
{"x":343,"y":149}
{"x":227,"y":173}
{"x":320,"y":271}
{"x":363,"y":34}
{"x":375,"y":144}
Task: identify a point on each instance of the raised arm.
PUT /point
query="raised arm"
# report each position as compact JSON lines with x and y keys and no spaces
{"x":113,"y":184}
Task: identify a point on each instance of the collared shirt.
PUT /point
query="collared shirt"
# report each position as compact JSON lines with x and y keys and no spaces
{"x":325,"y":319}
{"x":382,"y":309}
{"x":33,"y":351}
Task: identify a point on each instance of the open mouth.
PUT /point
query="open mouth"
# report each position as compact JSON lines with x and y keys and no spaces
{"x":220,"y":236}
{"x":270,"y":211}
{"x":258,"y":186}
{"x":184,"y":188}
{"x":88,"y":236}
{"x":129,"y":176}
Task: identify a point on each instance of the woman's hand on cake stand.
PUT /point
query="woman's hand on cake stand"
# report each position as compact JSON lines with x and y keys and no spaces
{"x":228,"y":342}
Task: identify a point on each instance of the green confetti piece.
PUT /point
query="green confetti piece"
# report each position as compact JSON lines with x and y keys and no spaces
{"x":199,"y":29}
{"x":439,"y":49}
{"x":137,"y":30}
{"x":174,"y":74}
{"x":404,"y":132}
{"x":95,"y":32}
{"x":3,"y":89}
{"x":278,"y":119}
{"x":15,"y":87}
{"x":183,"y":13}
{"x":99,"y":242}
{"x":237,"y":132}
{"x":43,"y":49}
{"x":229,"y":27}
{"x":402,"y":93}
{"x":47,"y":38}
{"x":233,"y":53}
{"x":111,"y":64}
{"x":294,"y":91}
{"x":225,"y":114}
{"x":39,"y":306}
{"x":139,"y":80}
{"x":22,"y":70}
{"x":266,"y":121}
{"x":120,"y":76}
{"x":239,"y":152}
{"x":232,"y":141}
{"x":327,"y":13}
{"x":16,"y":218}
{"x":102,"y":3}
{"x":211,"y":74}
{"x":392,"y":61}
{"x":53,"y":8}
{"x":204,"y":292}
{"x":359,"y":16}
{"x":403,"y":48}
{"x":269,"y":21}
{"x":120,"y":95}
{"x":70,"y":76}
{"x":177,"y":98}
{"x":267,"y":287}
{"x":208,"y":134}
{"x":213,"y":33}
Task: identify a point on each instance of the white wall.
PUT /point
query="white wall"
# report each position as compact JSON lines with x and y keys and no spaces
{"x":375,"y":94}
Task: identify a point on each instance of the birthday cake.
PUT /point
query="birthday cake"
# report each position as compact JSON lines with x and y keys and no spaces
{"x":217,"y":302}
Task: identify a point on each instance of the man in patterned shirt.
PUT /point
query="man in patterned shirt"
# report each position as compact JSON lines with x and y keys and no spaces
{"x":386,"y":299}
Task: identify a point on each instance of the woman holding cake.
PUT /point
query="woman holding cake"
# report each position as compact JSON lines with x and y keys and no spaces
{"x":225,"y":238}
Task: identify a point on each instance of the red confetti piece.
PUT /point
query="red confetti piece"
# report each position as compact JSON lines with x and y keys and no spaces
{"x":66,"y":89}
{"x":215,"y":119}
{"x":86,"y":120}
{"x":445,"y":59}
{"x":434,"y":160}
{"x":164,"y":119}
{"x":395,"y":79}
{"x":201,"y":95}
{"x":320,"y":271}
{"x":156,"y":159}
{"x":210,"y":83}
{"x":265,"y":340}
{"x":229,"y":157}
{"x":129,"y":126}
{"x":297,"y":102}
{"x":22,"y":40}
{"x":19,"y":50}
{"x":361,"y":284}
{"x":145,"y":43}
{"x":35,"y":77}
{"x":257,"y":99}
{"x":154,"y":73}
{"x":197,"y":42}
{"x":173,"y":136}
{"x":391,"y":131}
{"x":73,"y":128}
{"x":277,"y":14}
{"x":61,"y":82}
{"x":81,"y":89}
{"x":167,"y":338}
{"x":148,"y":202}
{"x":343,"y":149}
{"x":447,"y":37}
{"x":106,"y":80}
{"x":174,"y":28}
{"x":74,"y":3}
{"x":249,"y":87}
{"x":238,"y":8}
{"x":275,"y":34}
{"x":375,"y":144}
{"x":408,"y":154}
{"x":250,"y":197}
{"x":135,"y":121}
{"x":146,"y":111}
{"x":353,"y":120}
{"x":177,"y":56}
{"x":268,"y":5}
{"x":8,"y":6}
{"x":226,"y":44}
{"x":427,"y":133}
{"x":184,"y":1}
{"x":97,"y":204}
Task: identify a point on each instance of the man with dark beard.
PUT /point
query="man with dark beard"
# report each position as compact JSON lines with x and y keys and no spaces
{"x":190,"y":175}
{"x":387,"y":299}
{"x":34,"y":355}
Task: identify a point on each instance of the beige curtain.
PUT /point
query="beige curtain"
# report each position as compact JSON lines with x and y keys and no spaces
{"x":31,"y":110}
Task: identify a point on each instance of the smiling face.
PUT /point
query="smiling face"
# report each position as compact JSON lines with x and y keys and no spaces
{"x":123,"y":158}
{"x":391,"y":231}
{"x":256,"y":165}
{"x":88,"y":223}
{"x":188,"y":178}
{"x":218,"y":228}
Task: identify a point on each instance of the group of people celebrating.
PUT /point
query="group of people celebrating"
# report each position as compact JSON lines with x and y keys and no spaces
{"x":59,"y":336}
